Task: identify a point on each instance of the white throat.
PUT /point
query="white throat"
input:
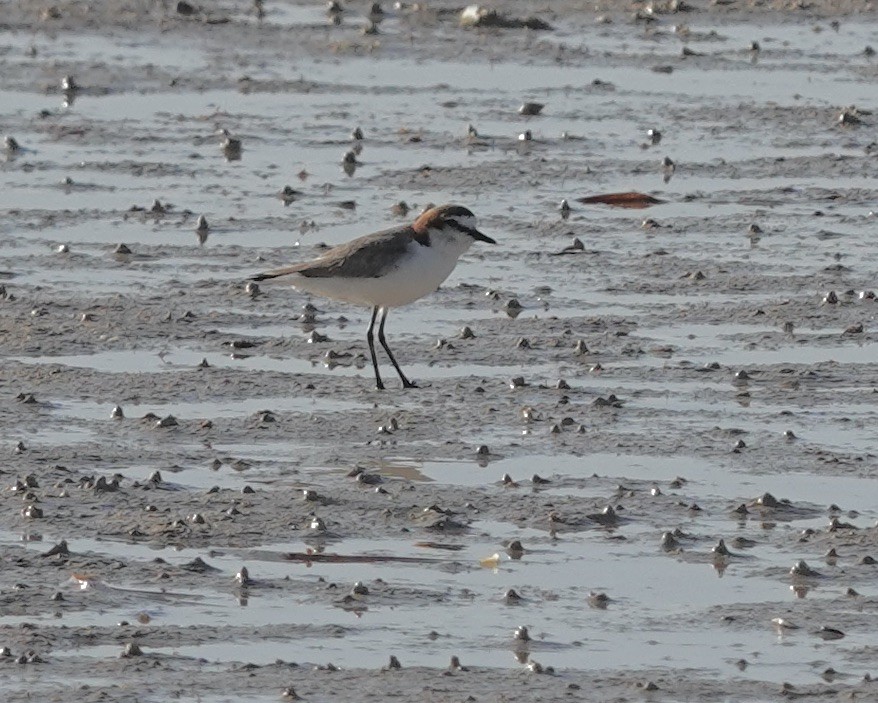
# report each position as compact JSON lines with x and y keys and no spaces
{"x":450,"y":242}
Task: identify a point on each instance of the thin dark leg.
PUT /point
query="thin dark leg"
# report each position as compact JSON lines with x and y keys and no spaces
{"x":405,"y":382}
{"x":370,"y":337}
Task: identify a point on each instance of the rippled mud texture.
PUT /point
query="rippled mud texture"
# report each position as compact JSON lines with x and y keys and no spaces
{"x":653,"y":448}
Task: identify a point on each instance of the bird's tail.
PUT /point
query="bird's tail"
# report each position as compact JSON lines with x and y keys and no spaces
{"x":276,"y":273}
{"x":264,"y":276}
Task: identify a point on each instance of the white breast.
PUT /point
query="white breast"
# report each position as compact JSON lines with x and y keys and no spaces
{"x":420,"y":272}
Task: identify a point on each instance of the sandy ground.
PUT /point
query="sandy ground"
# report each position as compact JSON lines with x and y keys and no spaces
{"x":674,"y":365}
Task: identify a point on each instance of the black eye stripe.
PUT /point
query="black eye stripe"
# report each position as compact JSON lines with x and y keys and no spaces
{"x":461,"y":228}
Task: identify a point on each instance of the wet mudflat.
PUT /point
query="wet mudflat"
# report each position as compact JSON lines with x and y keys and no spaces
{"x":655,"y":452}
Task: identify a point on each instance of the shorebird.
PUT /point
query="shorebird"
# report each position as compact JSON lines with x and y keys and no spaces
{"x":384,"y":270}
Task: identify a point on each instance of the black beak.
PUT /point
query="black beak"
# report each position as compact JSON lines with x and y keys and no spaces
{"x":479,"y":237}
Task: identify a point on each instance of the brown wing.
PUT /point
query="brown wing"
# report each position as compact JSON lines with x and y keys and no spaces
{"x":365,"y":257}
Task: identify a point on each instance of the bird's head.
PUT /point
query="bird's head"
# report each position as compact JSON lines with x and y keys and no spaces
{"x":451,"y":219}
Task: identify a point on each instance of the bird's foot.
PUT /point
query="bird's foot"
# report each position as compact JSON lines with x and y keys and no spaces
{"x":408,"y":384}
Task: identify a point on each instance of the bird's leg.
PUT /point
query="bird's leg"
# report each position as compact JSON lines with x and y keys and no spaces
{"x":370,"y":337}
{"x":405,"y":382}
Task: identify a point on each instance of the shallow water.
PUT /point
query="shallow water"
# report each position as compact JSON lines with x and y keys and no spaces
{"x":755,"y":141}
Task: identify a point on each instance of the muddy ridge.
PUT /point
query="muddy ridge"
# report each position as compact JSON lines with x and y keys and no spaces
{"x":640,"y":461}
